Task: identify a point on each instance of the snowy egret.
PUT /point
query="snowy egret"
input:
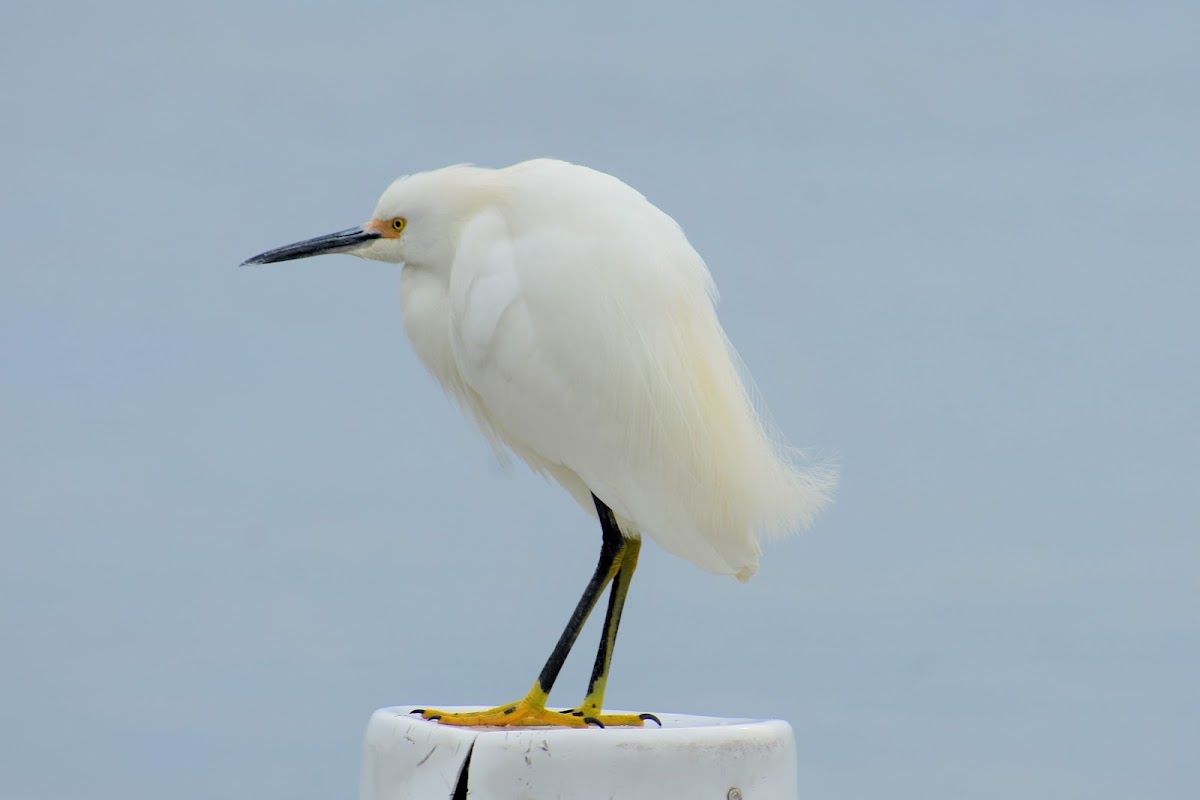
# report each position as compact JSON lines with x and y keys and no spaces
{"x":574,"y":323}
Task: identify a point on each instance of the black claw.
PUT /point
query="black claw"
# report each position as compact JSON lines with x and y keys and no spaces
{"x":417,"y":711}
{"x":593,"y":721}
{"x":434,"y":718}
{"x":646,"y":717}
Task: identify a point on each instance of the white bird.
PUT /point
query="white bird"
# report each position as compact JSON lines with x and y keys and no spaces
{"x":574,"y":323}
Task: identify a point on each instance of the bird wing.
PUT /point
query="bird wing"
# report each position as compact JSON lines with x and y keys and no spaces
{"x":584,"y":324}
{"x":529,"y":340}
{"x":595,"y":362}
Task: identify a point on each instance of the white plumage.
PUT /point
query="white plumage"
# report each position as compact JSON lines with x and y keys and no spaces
{"x":576,"y":325}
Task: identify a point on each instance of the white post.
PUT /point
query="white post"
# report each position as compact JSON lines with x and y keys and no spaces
{"x":689,"y":757}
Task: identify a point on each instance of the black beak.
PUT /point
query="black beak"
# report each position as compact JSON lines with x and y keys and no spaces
{"x":340,"y":242}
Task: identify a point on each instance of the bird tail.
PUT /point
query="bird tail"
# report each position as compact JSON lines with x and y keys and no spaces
{"x":732,"y":481}
{"x":784,"y":487}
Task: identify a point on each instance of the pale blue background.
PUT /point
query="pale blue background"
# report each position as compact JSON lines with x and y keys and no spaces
{"x":958,"y":248}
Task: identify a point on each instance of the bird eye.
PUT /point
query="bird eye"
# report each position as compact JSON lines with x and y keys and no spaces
{"x":398,"y":224}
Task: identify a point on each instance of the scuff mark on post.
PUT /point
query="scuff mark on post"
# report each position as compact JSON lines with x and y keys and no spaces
{"x":427,"y":755}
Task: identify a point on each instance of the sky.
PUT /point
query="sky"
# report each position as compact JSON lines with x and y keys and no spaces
{"x":957,"y":248}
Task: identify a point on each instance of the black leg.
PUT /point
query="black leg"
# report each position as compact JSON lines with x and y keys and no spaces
{"x":610,"y":550}
{"x":594,"y":701}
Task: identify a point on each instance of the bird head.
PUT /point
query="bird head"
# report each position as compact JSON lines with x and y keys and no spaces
{"x":415,"y":222}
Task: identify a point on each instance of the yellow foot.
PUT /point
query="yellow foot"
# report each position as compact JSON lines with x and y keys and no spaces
{"x":525,"y":714}
{"x":636,"y":720}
